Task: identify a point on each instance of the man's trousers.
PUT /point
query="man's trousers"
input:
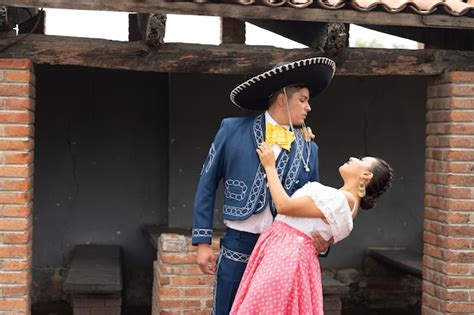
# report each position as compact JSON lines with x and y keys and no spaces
{"x":236,"y":247}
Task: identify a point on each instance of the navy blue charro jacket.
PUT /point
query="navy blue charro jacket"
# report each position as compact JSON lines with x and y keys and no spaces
{"x":232,"y":158}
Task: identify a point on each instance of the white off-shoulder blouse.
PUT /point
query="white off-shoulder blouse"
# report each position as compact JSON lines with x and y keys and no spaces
{"x":332,"y":203}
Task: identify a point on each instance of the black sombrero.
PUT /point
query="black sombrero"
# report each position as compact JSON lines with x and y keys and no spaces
{"x":314,"y":73}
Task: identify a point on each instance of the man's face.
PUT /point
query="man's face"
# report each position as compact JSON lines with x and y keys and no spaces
{"x":299,"y":106}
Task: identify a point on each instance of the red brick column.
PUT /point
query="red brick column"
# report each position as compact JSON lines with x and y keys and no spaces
{"x":179,"y":286}
{"x":448,"y":262}
{"x":17,"y":93}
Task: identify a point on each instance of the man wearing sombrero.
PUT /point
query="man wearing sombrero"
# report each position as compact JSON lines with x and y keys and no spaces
{"x":283,"y":93}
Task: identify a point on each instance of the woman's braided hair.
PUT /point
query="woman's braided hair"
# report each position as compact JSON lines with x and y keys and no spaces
{"x":380,"y":182}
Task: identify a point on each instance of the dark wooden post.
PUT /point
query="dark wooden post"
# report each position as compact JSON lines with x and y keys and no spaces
{"x":33,"y":25}
{"x":232,"y":31}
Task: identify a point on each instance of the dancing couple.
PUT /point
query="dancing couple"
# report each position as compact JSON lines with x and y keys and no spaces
{"x":278,"y":217}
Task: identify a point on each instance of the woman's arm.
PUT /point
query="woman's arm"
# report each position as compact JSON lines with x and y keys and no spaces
{"x":298,"y":207}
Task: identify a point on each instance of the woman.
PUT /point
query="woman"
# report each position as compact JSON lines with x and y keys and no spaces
{"x":283,"y":274}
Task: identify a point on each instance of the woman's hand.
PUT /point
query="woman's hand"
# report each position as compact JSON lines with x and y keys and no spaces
{"x":266,"y":155}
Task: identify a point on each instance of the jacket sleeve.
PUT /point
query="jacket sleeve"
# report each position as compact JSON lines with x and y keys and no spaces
{"x":211,"y":174}
{"x":314,"y":175}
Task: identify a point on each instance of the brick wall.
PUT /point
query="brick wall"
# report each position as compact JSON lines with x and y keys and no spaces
{"x":179,"y":285}
{"x":17,"y":93}
{"x":448,"y":286}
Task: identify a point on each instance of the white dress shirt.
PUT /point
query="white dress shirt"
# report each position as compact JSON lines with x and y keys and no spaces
{"x":258,"y":223}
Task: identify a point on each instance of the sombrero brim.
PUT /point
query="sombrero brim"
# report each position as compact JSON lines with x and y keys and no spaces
{"x":314,"y":73}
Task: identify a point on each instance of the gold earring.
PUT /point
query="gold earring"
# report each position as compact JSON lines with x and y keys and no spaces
{"x":361,"y":189}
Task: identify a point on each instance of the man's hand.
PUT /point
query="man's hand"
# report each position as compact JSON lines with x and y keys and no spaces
{"x":206,"y":259}
{"x":320,"y":244}
{"x":307,"y":133}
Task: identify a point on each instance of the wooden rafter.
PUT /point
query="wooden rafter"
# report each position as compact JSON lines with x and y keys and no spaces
{"x":255,"y":12}
{"x":227,"y":59}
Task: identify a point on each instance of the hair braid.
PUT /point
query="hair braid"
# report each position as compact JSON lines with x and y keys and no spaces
{"x":380,"y":183}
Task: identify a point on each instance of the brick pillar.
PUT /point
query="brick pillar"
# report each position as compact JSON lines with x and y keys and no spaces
{"x":179,"y":286}
{"x":17,"y":93}
{"x":448,"y":262}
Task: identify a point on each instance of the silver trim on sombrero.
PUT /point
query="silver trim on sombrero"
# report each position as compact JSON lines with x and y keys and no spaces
{"x":280,"y":69}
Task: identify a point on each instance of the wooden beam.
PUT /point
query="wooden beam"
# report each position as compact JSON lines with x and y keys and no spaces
{"x":256,"y":12}
{"x":226,"y":59}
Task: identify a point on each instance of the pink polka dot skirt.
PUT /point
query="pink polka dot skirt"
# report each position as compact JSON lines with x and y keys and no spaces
{"x":282,"y":277}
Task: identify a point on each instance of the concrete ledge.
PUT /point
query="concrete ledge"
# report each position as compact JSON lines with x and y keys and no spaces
{"x":399,"y":258}
{"x":94,"y":280}
{"x":94,"y":269}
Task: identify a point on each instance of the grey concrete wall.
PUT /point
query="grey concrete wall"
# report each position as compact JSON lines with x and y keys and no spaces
{"x":101,"y":169}
{"x":380,"y":116}
{"x":198,"y":103}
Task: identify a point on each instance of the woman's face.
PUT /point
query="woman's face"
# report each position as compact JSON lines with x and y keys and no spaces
{"x":299,"y":106}
{"x":355,"y":168}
